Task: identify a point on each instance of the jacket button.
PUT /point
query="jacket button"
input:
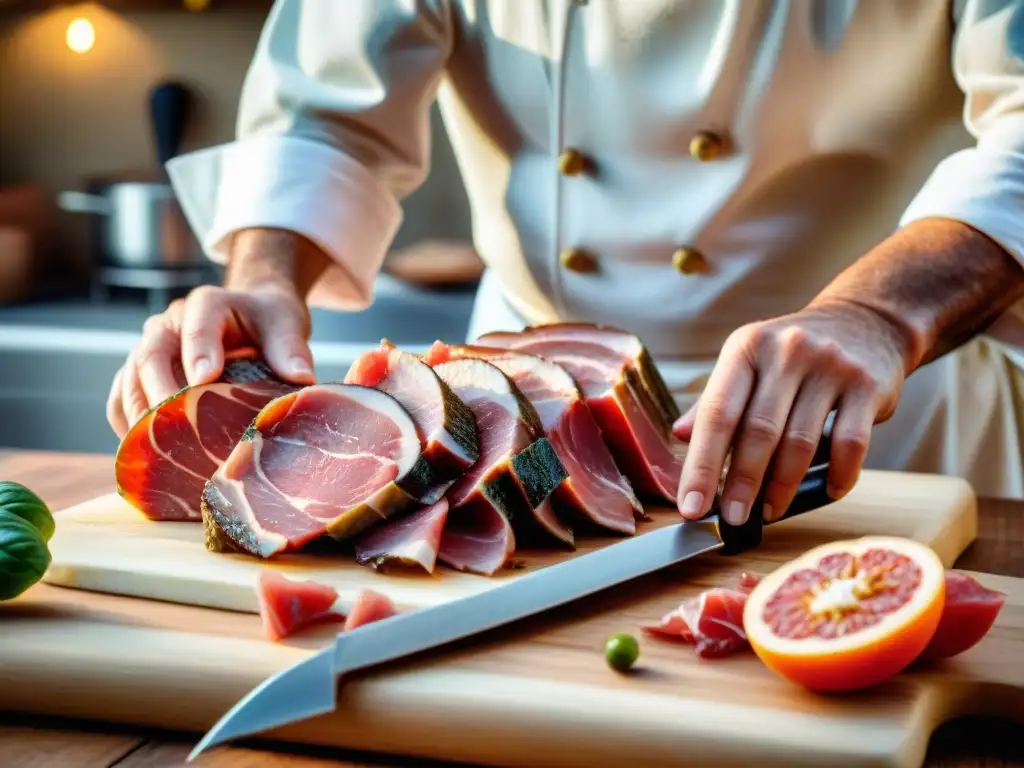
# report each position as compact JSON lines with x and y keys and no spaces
{"x":706,"y":146}
{"x":578,"y":260}
{"x":571,"y":162}
{"x":689,"y":261}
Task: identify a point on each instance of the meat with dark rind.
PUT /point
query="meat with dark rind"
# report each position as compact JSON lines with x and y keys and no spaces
{"x":518,"y":469}
{"x":507,"y":492}
{"x":325,"y":460}
{"x":623,"y":390}
{"x":595,"y":489}
{"x":168,"y":455}
{"x":445,"y":424}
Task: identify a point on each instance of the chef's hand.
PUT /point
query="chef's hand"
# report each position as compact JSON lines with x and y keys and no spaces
{"x":768,"y":397}
{"x":262,"y":305}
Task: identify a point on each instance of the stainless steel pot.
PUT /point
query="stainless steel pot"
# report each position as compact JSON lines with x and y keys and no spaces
{"x":139,"y":225}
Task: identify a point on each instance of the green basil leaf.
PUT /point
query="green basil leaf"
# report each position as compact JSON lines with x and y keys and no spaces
{"x":24,"y":556}
{"x":19,"y":501}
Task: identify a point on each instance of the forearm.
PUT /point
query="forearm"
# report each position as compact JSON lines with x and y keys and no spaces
{"x":938,"y":282}
{"x":261,"y":257}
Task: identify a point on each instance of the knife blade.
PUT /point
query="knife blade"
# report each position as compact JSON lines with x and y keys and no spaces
{"x":309,"y":687}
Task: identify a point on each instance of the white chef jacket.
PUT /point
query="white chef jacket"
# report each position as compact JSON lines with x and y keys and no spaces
{"x":819,"y":126}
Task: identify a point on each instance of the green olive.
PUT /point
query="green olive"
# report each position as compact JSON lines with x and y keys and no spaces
{"x":621,"y":651}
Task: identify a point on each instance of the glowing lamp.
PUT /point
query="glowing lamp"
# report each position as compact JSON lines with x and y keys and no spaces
{"x":80,"y":35}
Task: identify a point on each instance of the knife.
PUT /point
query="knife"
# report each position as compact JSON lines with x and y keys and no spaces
{"x":308,"y":688}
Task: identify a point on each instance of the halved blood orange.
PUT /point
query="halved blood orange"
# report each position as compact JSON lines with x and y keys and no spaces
{"x":848,"y":614}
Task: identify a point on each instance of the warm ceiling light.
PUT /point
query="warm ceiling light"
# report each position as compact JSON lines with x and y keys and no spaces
{"x":197,"y":5}
{"x":80,"y":35}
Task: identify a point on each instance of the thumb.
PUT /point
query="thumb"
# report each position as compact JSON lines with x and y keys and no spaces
{"x":682,"y":429}
{"x":282,"y":334}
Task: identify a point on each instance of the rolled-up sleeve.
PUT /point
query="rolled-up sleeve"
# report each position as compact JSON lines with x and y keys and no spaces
{"x":333,"y":131}
{"x":983,"y":185}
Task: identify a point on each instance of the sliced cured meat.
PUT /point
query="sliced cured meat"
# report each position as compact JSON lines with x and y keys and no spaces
{"x":288,"y":606}
{"x":327,"y":459}
{"x":369,"y":607}
{"x":169,"y":454}
{"x":623,"y":390}
{"x":509,"y":488}
{"x":712,"y":622}
{"x":595,"y":489}
{"x":518,"y":469}
{"x":477,"y":540}
{"x":969,"y":612}
{"x":412,"y":539}
{"x":445,"y":424}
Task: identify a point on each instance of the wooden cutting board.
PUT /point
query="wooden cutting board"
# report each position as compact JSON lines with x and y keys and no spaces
{"x":537,"y":694}
{"x":107,"y":546}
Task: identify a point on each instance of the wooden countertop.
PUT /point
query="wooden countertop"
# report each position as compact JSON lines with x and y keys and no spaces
{"x":67,"y":479}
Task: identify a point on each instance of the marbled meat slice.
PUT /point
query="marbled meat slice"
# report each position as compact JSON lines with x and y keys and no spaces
{"x":445,"y":423}
{"x":412,"y":539}
{"x":595,"y":489}
{"x":624,"y":391}
{"x":324,"y":460}
{"x":518,"y":470}
{"x":168,"y":455}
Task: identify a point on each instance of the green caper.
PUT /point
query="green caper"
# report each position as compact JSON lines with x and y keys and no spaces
{"x":621,"y":651}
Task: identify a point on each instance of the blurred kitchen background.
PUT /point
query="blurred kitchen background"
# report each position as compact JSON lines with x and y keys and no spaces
{"x":90,"y":241}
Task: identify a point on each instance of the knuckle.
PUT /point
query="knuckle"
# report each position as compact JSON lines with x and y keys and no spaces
{"x":195,"y":334}
{"x":718,"y":416}
{"x":743,"y":481}
{"x":761,"y":429}
{"x":800,"y":441}
{"x":152,"y":325}
{"x":851,"y":443}
{"x":205,"y":295}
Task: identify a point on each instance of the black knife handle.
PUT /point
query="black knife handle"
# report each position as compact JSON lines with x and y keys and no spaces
{"x":811,"y":494}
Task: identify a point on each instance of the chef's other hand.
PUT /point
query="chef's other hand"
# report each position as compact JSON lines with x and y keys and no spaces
{"x":768,"y":397}
{"x":194,"y":333}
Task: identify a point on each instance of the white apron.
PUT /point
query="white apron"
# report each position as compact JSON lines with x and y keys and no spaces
{"x":677,"y":168}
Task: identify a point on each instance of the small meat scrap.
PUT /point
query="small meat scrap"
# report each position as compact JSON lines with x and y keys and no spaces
{"x":288,"y":606}
{"x":712,"y":621}
{"x":370,"y":606}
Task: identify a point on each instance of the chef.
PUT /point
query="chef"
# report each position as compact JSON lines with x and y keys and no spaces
{"x":767,"y":192}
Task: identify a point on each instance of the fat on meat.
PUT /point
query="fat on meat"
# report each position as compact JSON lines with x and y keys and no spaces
{"x":595,"y":489}
{"x":167,"y":456}
{"x":326,"y":460}
{"x":624,"y":391}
